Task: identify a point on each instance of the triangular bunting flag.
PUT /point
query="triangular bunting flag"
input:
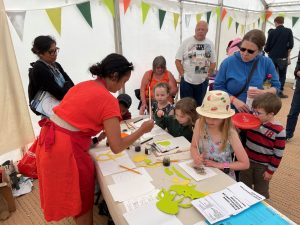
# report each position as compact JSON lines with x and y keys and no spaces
{"x":161,"y":14}
{"x":218,"y":11}
{"x":263,"y":17}
{"x":126,"y":4}
{"x":224,"y":12}
{"x":281,"y":14}
{"x":230,"y":19}
{"x":110,"y":4}
{"x":17,"y":20}
{"x":242,"y":29}
{"x":208,"y":16}
{"x":268,"y":14}
{"x":85,"y":9}
{"x":187,"y":20}
{"x":236,"y":26}
{"x":253,"y":25}
{"x":258,"y":22}
{"x":294,"y":20}
{"x":198,"y":17}
{"x":145,"y":10}
{"x":55,"y":18}
{"x":175,"y":17}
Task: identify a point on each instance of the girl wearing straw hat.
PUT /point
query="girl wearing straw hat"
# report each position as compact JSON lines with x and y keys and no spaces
{"x":215,"y":139}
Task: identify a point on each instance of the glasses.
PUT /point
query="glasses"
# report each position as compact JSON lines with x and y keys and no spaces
{"x":53,"y":51}
{"x":250,"y":51}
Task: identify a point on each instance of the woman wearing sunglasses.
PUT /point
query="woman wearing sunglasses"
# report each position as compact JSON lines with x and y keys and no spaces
{"x":235,"y":76}
{"x":47,"y":74}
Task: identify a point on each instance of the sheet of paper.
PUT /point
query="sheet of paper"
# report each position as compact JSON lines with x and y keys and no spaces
{"x":130,"y":189}
{"x":186,"y":166}
{"x":246,"y":194}
{"x":258,"y":214}
{"x":138,"y":202}
{"x":150,"y":215}
{"x":128,"y":176}
{"x":201,"y":223}
{"x":109,"y":163}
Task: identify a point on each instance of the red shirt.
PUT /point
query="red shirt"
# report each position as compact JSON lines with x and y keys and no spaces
{"x":87,"y":105}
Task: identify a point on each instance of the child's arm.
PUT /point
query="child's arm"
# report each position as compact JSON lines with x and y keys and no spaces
{"x":196,"y":156}
{"x":242,"y":162}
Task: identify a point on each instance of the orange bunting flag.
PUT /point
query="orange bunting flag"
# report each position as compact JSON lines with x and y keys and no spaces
{"x":268,"y":14}
{"x":126,"y":4}
{"x":224,"y":12}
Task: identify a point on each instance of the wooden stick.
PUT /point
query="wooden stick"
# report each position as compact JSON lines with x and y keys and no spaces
{"x":150,"y":109}
{"x":129,"y":169}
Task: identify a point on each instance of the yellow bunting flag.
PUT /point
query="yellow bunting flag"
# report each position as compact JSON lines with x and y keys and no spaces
{"x":55,"y":18}
{"x":218,"y":12}
{"x":242,"y":29}
{"x":198,"y":17}
{"x":175,"y":18}
{"x":111,"y":6}
{"x":230,"y":19}
{"x":145,"y":10}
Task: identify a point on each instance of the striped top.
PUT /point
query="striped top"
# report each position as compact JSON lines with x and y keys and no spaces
{"x":265,"y":145}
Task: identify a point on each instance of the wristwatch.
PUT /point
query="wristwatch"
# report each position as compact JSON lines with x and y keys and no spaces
{"x":226,"y":168}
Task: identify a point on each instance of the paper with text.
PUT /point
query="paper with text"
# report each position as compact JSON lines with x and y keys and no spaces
{"x":138,"y":202}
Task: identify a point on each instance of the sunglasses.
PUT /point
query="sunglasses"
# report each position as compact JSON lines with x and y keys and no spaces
{"x":250,"y":51}
{"x":53,"y":51}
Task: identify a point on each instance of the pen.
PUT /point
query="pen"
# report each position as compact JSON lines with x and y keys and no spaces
{"x":143,"y":142}
{"x":129,"y":169}
{"x":138,"y":120}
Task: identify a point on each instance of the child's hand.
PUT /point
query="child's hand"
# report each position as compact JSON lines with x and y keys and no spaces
{"x":267,"y":176}
{"x":211,"y":163}
{"x":160,"y":113}
{"x":198,"y":159}
{"x":147,"y":126}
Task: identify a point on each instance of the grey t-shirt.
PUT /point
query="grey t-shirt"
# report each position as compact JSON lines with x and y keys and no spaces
{"x":196,"y":57}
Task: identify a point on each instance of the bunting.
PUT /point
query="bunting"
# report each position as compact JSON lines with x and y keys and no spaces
{"x":218,"y":11}
{"x":187,"y":20}
{"x":17,"y":20}
{"x":161,"y":14}
{"x":230,"y":19}
{"x":236,"y":26}
{"x":268,"y":14}
{"x":55,"y":18}
{"x":126,"y":4}
{"x":258,"y":22}
{"x":110,"y":4}
{"x":175,"y":19}
{"x":85,"y":9}
{"x":208,"y":16}
{"x":242,"y":29}
{"x":145,"y":10}
{"x":198,"y":17}
{"x":294,"y":20}
{"x":224,"y":12}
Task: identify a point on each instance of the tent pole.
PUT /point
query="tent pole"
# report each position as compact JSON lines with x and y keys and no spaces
{"x":181,"y":16}
{"x":263,"y":27}
{"x":218,"y":33}
{"x":117,"y":33}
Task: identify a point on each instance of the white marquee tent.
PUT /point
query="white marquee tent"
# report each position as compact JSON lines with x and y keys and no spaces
{"x":88,"y":30}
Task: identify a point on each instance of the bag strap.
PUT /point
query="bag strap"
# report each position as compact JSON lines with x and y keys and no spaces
{"x":248,"y":78}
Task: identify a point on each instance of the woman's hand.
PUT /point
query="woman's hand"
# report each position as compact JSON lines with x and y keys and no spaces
{"x":252,"y":93}
{"x":240,"y":105}
{"x":143,"y":108}
{"x":147,"y":126}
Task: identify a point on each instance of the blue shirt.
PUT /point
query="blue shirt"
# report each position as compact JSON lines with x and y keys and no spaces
{"x":233,"y":73}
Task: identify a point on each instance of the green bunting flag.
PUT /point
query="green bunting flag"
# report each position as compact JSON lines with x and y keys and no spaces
{"x":55,"y":18}
{"x":145,"y":10}
{"x":161,"y":14}
{"x":230,"y":19}
{"x":236,"y":26}
{"x":208,"y":16}
{"x":258,"y":22}
{"x":85,"y":9}
{"x":218,"y":12}
{"x":198,"y":17}
{"x":294,"y":20}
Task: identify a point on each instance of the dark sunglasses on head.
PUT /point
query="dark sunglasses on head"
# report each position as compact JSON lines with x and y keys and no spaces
{"x":250,"y":51}
{"x":53,"y":51}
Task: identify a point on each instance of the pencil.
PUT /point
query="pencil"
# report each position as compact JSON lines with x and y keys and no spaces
{"x":129,"y":169}
{"x":138,"y":120}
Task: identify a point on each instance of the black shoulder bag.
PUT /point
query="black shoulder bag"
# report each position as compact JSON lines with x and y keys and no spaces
{"x":248,"y":79}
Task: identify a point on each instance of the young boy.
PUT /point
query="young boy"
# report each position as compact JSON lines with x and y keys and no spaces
{"x":125,"y":103}
{"x":264,"y":145}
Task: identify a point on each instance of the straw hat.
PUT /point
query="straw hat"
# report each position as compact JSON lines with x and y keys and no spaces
{"x":216,"y":104}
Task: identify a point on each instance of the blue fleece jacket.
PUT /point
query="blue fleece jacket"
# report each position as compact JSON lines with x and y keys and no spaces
{"x":233,"y":73}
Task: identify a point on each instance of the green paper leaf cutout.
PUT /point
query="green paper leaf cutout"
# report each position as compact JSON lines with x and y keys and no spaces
{"x":168,"y":171}
{"x":161,"y":14}
{"x":166,"y":202}
{"x":187,"y":191}
{"x":164,"y":143}
{"x":179,"y":174}
{"x":85,"y":9}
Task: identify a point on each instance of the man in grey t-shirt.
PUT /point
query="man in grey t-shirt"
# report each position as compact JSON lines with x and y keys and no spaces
{"x":195,"y":62}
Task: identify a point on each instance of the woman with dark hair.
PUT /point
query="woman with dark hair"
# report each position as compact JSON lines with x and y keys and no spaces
{"x":234,"y":73}
{"x":65,"y":168}
{"x":158,"y":74}
{"x":47,"y":74}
